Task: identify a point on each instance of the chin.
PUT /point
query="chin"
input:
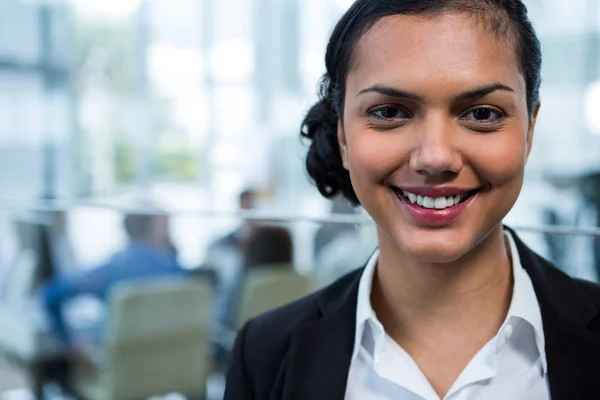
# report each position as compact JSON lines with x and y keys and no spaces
{"x":435,"y":247}
{"x":436,"y":253}
{"x":442,"y":246}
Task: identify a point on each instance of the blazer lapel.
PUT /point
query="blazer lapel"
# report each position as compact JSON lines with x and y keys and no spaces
{"x":320,"y":353}
{"x":572,"y":346}
{"x":573,"y":356}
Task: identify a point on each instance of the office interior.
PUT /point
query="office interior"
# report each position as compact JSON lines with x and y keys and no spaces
{"x":187,"y":112}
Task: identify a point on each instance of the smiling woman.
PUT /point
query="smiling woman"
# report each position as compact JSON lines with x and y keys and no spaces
{"x":438,"y":128}
{"x":426,"y":120}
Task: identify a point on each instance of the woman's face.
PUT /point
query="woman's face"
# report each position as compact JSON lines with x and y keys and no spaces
{"x":435,"y":133}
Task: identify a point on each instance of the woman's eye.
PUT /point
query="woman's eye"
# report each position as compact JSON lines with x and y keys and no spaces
{"x":484,"y":115}
{"x":389,"y":112}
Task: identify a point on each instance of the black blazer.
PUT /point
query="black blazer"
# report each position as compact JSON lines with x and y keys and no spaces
{"x":302,"y":351}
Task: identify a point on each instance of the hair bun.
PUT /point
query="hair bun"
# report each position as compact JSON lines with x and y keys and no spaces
{"x":324,"y":161}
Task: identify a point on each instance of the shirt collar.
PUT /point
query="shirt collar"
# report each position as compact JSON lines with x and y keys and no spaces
{"x":364,"y":311}
{"x":524,"y":305}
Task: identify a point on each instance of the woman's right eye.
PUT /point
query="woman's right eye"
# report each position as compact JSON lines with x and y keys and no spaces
{"x":389,"y":112}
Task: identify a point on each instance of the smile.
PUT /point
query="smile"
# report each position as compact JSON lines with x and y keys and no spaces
{"x":435,"y":207}
{"x":438,"y":203}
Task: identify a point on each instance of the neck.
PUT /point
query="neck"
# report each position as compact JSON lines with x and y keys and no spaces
{"x":410,"y":297}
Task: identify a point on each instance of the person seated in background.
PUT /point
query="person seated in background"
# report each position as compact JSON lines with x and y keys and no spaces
{"x":330,"y":231}
{"x":225,"y":256}
{"x":339,"y":246}
{"x":149,"y":253}
{"x":268,"y":246}
{"x":265,"y":247}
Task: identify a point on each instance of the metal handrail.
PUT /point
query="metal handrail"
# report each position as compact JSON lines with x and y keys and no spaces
{"x":273,"y":217}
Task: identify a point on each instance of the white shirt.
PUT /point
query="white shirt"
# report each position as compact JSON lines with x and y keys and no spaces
{"x":512,"y":365}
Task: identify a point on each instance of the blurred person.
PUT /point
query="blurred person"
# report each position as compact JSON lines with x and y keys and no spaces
{"x":268,"y":246}
{"x":343,"y":254}
{"x":556,"y":243}
{"x":328,"y":231}
{"x":226,"y":256}
{"x":265,"y":247}
{"x":149,"y":253}
{"x":40,"y":253}
{"x":339,"y":247}
{"x":426,"y":118}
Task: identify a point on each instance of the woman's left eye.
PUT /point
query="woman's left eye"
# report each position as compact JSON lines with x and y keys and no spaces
{"x":486,"y":115}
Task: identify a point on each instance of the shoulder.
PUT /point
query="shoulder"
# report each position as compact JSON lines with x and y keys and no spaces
{"x":593,"y":292}
{"x":263,"y":343}
{"x":574,"y":299}
{"x":592,"y":289}
{"x":268,"y":335}
{"x":280,"y":322}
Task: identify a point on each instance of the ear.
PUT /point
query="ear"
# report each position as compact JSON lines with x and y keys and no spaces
{"x":341,"y":136}
{"x":531,"y":129}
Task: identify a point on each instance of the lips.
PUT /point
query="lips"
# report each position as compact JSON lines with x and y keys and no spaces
{"x":436,"y":202}
{"x":436,"y":198}
{"x":435,"y":206}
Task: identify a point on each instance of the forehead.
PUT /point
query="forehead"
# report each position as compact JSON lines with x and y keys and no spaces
{"x":450,"y":49}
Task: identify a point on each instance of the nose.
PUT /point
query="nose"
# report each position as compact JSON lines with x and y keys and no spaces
{"x":435,"y":152}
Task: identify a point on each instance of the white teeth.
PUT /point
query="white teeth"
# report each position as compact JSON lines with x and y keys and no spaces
{"x":428,"y":202}
{"x":440,"y":203}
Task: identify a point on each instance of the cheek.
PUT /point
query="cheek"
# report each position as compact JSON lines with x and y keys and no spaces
{"x":499,"y":160}
{"x":375,"y":155}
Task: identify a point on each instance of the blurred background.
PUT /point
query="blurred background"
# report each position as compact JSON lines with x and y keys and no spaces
{"x":142,"y":141}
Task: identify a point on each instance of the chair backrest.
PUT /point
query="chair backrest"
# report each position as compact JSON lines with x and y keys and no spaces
{"x":157,"y":338}
{"x":268,"y":287}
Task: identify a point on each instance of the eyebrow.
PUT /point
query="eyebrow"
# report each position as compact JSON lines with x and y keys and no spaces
{"x":471,"y":94}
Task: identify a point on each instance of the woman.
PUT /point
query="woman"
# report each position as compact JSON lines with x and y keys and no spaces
{"x":426,"y":119}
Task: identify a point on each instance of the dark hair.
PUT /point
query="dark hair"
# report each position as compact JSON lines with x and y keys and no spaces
{"x":501,"y":17}
{"x":247,"y":198}
{"x":268,"y":245}
{"x":137,"y":225}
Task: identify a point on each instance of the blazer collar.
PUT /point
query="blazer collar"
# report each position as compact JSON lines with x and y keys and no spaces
{"x":320,"y":352}
{"x":572,"y":348}
{"x":557,"y":293}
